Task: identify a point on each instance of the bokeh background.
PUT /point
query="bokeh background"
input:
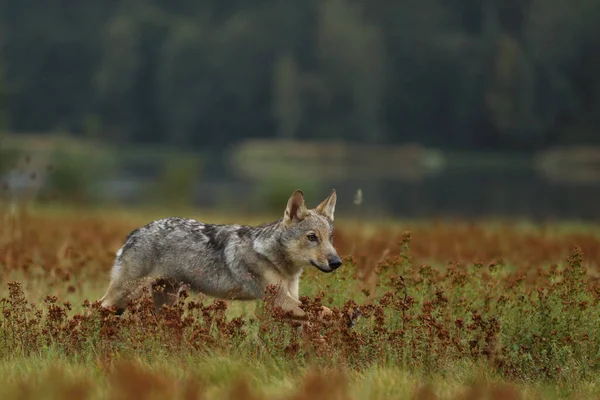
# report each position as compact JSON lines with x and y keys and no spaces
{"x":432,"y":108}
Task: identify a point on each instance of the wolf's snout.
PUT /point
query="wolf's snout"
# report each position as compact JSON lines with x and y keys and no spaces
{"x":334,"y":262}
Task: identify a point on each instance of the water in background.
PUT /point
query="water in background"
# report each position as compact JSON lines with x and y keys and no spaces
{"x":413,"y":182}
{"x":518,"y":191}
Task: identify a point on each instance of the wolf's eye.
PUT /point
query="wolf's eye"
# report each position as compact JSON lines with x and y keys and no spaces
{"x":312,"y":237}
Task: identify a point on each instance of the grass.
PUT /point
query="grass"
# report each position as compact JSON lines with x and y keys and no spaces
{"x":450,"y":309}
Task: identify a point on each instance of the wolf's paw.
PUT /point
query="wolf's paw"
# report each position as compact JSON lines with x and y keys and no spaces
{"x":319,"y":340}
{"x":325,"y":312}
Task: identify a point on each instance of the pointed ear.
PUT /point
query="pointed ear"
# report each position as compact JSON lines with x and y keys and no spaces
{"x":296,"y":209}
{"x":327,"y":207}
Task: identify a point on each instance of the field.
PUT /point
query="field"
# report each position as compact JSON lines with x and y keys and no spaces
{"x":449,"y":309}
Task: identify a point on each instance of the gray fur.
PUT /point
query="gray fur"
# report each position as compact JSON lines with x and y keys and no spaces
{"x":233,"y":262}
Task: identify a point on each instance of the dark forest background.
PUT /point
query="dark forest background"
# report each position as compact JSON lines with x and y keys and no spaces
{"x":431,"y":107}
{"x":516,"y":75}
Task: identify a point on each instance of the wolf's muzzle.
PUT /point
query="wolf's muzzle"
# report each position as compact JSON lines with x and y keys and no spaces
{"x":334,"y":262}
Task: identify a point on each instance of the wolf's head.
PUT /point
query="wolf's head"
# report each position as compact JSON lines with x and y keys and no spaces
{"x":308,"y":233}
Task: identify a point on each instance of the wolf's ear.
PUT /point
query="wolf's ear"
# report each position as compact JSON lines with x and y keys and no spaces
{"x":296,"y":209}
{"x":327,"y":207}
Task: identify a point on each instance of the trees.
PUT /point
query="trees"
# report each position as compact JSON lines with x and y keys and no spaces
{"x":472,"y":74}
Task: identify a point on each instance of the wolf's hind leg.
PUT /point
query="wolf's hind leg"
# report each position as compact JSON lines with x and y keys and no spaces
{"x":120,"y":292}
{"x":114,"y":297}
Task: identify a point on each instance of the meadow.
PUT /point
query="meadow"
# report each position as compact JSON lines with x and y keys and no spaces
{"x":449,"y":309}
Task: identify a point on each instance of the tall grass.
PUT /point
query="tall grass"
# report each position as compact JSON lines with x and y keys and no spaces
{"x":449,"y":310}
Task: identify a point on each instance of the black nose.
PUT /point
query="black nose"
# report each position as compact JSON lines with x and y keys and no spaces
{"x":334,"y":262}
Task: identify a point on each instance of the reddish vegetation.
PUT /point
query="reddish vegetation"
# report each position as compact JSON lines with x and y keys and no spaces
{"x":467,"y":242}
{"x":67,"y":245}
{"x":503,"y":300}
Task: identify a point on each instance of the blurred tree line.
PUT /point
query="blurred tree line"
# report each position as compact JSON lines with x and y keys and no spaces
{"x":464,"y":74}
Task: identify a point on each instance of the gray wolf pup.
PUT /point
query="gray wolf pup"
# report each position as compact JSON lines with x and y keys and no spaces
{"x":231,"y":262}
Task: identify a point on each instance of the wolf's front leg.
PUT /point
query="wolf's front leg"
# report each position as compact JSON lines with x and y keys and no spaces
{"x":325,"y":312}
{"x":294,"y":288}
{"x":298,"y":315}
{"x":290,"y":305}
